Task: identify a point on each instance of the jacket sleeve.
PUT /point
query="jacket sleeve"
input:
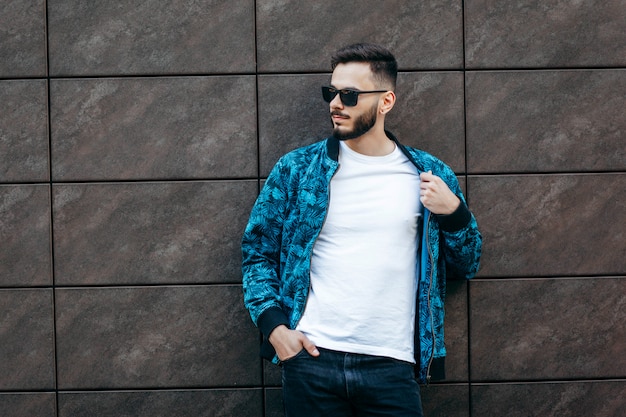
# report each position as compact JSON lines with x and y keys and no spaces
{"x":462,"y":241}
{"x":261,"y":253}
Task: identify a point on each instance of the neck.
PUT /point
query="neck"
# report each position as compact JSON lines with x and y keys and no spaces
{"x":373,"y":143}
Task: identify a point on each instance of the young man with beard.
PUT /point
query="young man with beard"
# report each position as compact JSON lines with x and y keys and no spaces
{"x":346,"y":254}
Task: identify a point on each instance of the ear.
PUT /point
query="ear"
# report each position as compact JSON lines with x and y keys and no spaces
{"x":387,"y":101}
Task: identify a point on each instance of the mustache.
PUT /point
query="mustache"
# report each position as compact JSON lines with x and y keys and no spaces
{"x":338,"y":113}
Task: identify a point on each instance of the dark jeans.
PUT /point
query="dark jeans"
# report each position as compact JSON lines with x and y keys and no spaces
{"x":338,"y":384}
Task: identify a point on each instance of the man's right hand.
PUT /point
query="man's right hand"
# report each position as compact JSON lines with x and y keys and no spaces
{"x":288,"y":343}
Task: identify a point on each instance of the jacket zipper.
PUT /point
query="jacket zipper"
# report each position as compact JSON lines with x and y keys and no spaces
{"x":430,"y":311}
{"x":430,"y":256}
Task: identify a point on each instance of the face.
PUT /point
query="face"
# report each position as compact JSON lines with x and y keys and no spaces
{"x":361,"y":124}
{"x":353,"y":122}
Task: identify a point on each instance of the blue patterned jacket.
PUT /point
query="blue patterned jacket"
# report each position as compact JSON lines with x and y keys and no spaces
{"x":287,"y":218}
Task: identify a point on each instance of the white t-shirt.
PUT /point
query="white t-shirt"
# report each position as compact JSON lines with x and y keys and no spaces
{"x":363,"y":280}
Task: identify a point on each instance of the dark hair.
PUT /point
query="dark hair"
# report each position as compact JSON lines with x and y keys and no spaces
{"x":381,"y":60}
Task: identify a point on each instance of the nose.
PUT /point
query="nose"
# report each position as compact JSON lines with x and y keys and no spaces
{"x":336,"y":103}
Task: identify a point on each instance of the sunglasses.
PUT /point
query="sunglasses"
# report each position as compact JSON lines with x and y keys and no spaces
{"x":347,"y":96}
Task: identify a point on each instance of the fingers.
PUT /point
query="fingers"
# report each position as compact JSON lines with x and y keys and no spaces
{"x":427,"y":184}
{"x":288,"y":343}
{"x":435,"y":194}
{"x":427,"y":176}
{"x":309,"y":346}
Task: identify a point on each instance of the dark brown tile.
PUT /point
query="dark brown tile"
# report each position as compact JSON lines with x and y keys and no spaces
{"x":297,"y":36}
{"x":546,"y":121}
{"x":23,"y":131}
{"x":153,"y":128}
{"x":292,"y":114}
{"x":174,"y":403}
{"x":428,"y":115}
{"x":150,"y":37}
{"x":445,"y":400}
{"x":177,"y":232}
{"x":589,"y":398}
{"x":548,"y":329}
{"x":274,"y":403}
{"x":456,"y":337}
{"x":25,"y":258}
{"x":23,"y":38}
{"x":27,"y":348}
{"x":552,"y":33}
{"x":551,"y":225}
{"x":272,"y":374}
{"x":155,"y":337}
{"x":28,"y":404}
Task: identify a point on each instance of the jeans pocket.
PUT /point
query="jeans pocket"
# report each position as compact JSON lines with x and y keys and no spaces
{"x":298,"y":355}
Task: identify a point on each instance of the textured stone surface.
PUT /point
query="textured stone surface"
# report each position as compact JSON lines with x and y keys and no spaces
{"x":548,"y":329}
{"x":173,"y":403}
{"x":456,"y":333}
{"x":153,"y":128}
{"x":27,"y":348}
{"x":133,"y":233}
{"x":150,"y":37}
{"x":551,"y":225}
{"x":274,"y":403}
{"x":550,"y":33}
{"x":301,"y":36}
{"x":197,"y":336}
{"x":28,"y":404}
{"x":428,"y":115}
{"x":567,"y":399}
{"x":23,"y":131}
{"x":22,"y":38}
{"x":445,"y":400}
{"x":25,"y":258}
{"x":546,"y":121}
{"x":292,"y":114}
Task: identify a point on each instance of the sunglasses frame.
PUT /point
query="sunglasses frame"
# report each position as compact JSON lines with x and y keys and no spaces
{"x":348,"y":96}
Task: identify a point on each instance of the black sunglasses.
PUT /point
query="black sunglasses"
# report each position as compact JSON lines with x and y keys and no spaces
{"x":347,"y":96}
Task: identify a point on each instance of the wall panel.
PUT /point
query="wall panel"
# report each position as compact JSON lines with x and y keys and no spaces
{"x":153,"y":128}
{"x":293,"y":36}
{"x":134,"y":136}
{"x":551,"y":225}
{"x":25,"y":404}
{"x":154,"y":337}
{"x":25,"y":257}
{"x":546,"y":121}
{"x":600,"y":398}
{"x":23,"y":131}
{"x":22,"y":38}
{"x":27,"y":350}
{"x":150,"y":37}
{"x":545,"y":34}
{"x":548,"y":329}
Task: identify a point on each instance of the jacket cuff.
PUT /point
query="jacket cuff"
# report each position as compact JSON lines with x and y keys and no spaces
{"x":455,"y":221}
{"x":271,"y":319}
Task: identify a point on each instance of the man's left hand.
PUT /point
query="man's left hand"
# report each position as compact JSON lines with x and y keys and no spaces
{"x":436,"y":196}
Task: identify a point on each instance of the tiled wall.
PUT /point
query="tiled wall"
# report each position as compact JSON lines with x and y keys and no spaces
{"x":134,"y":136}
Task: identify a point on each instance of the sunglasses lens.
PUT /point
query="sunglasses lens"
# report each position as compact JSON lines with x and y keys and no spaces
{"x":348,"y":97}
{"x":328,"y":94}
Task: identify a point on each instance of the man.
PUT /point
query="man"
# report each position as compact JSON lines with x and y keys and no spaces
{"x":346,"y":253}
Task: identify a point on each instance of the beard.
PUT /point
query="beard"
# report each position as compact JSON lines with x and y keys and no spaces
{"x":362,"y":125}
